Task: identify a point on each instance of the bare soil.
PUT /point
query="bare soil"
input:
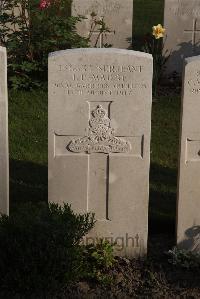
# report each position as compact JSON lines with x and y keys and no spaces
{"x":153,"y":277}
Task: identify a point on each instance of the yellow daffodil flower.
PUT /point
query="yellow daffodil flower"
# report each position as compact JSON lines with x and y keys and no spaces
{"x":158,"y":31}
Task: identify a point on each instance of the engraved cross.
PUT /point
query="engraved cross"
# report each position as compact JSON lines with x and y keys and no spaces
{"x":100,"y":34}
{"x":194,"y":32}
{"x":99,"y":142}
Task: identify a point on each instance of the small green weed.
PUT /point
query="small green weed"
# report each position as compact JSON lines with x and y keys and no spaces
{"x":98,"y":259}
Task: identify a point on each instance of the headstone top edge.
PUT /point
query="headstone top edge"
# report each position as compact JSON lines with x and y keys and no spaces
{"x":102,"y":51}
{"x":192,"y":59}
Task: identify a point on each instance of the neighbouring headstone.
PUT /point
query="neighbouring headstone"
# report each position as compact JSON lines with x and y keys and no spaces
{"x":99,"y":140}
{"x":182,"y":23}
{"x":14,"y":12}
{"x":188,"y":213}
{"x":4,"y":164}
{"x":117,"y":16}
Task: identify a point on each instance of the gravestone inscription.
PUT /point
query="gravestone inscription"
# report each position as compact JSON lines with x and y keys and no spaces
{"x":182,"y":23}
{"x":4,"y":164}
{"x":117,"y":16}
{"x":188,"y":222}
{"x":99,"y":140}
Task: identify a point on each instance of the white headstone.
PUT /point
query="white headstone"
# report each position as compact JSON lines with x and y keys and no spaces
{"x":182,"y":23}
{"x":99,"y":140}
{"x":4,"y":163}
{"x":188,"y":223}
{"x":117,"y":16}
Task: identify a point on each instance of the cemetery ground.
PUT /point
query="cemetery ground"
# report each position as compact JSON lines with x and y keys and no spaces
{"x":154,"y":276}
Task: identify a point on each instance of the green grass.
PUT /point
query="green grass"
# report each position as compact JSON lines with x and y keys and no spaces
{"x":165,"y":129}
{"x":164,"y":162}
{"x":28,"y":119}
{"x":147,"y":13}
{"x":28,"y":146}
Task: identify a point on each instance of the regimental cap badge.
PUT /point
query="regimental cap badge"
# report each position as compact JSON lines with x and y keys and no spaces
{"x":101,"y":137}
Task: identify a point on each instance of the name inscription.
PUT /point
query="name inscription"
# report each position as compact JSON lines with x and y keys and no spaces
{"x":100,"y":80}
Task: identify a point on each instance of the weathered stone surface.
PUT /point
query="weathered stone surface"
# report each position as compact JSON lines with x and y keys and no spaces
{"x":188,"y":223}
{"x":182,"y":23}
{"x":4,"y":164}
{"x":117,"y":15}
{"x":99,"y":140}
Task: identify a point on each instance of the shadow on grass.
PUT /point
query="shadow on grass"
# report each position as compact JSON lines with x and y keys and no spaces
{"x":28,"y":182}
{"x":162,"y":208}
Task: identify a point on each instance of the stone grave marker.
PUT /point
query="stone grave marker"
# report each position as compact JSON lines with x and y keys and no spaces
{"x":182,"y":23}
{"x":188,"y":212}
{"x":117,"y":16}
{"x":15,"y":11}
{"x":4,"y":163}
{"x":99,"y":140}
